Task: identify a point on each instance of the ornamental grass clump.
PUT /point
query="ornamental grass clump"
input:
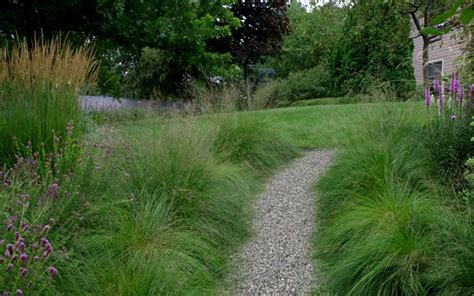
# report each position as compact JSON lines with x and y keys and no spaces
{"x":38,"y":92}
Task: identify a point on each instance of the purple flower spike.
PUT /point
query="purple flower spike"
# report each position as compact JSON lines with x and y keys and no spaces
{"x":10,"y":248}
{"x":436,"y":86}
{"x":53,"y":271}
{"x":23,"y":257}
{"x":35,"y":258}
{"x":19,"y":292}
{"x":23,"y":272}
{"x":453,"y":117}
{"x":472,"y":91}
{"x":9,"y":267}
{"x":427,"y":96}
{"x":53,"y":190}
{"x":9,"y":227}
{"x":461,"y":94}
{"x":46,"y":229}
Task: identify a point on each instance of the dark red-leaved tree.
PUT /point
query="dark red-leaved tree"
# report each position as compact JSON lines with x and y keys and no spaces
{"x":263,"y":24}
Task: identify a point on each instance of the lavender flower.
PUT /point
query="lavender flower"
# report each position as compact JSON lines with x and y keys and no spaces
{"x":23,"y":257}
{"x":35,"y":258}
{"x":23,"y":272}
{"x":53,"y":190}
{"x":53,"y":271}
{"x":19,"y":292}
{"x":427,"y":96}
{"x":9,"y":267}
{"x":10,"y":249}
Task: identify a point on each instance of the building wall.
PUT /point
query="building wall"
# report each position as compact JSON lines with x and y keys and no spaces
{"x":448,"y":50}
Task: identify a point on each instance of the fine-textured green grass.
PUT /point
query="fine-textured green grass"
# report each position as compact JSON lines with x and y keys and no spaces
{"x":170,"y":204}
{"x":388,"y":224}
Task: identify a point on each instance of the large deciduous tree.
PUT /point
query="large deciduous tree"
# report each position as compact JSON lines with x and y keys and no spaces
{"x":370,"y":53}
{"x":262,"y":26}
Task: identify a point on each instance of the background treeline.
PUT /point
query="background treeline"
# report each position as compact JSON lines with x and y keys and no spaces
{"x":167,"y":49}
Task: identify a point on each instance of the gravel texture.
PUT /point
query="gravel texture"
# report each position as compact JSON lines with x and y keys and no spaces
{"x":277,"y":260}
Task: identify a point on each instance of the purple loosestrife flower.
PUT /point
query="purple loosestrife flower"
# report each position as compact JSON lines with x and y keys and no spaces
{"x":22,"y":247}
{"x":427,"y":96}
{"x":472,"y":91}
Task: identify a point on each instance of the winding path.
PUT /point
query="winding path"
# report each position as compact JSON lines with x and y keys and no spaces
{"x":277,"y":260}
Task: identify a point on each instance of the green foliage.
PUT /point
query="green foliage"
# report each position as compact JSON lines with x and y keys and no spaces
{"x":373,"y":52}
{"x":303,"y":85}
{"x":311,"y":39}
{"x":389,"y":225}
{"x":38,"y":94}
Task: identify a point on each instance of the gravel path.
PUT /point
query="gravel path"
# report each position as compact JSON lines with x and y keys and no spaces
{"x":277,"y":260}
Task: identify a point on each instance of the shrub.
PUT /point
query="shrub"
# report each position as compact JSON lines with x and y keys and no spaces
{"x":307,"y":84}
{"x":38,"y":88}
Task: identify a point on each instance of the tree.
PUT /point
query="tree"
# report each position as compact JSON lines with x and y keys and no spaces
{"x":370,"y":52}
{"x":262,"y":26}
{"x":312,"y":38}
{"x":176,"y":32}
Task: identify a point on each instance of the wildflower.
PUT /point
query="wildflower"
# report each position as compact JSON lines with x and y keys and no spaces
{"x":5,"y":293}
{"x":472,"y":91}
{"x":23,"y":272}
{"x":9,"y":227}
{"x":35,"y":258}
{"x":53,"y":271}
{"x":53,"y":190}
{"x":24,"y":226}
{"x":19,"y":292}
{"x":10,"y":249}
{"x":9,"y":267}
{"x":45,"y":230}
{"x":461,"y":94}
{"x":30,"y":285}
{"x":22,"y":247}
{"x":427,"y":96}
{"x":23,"y":257}
{"x":453,"y":117}
{"x":17,"y":235}
{"x":436,"y":86}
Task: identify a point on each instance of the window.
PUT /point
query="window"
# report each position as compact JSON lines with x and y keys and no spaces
{"x":435,"y":70}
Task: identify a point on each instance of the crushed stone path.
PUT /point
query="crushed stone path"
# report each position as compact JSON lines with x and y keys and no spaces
{"x":277,"y":259}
